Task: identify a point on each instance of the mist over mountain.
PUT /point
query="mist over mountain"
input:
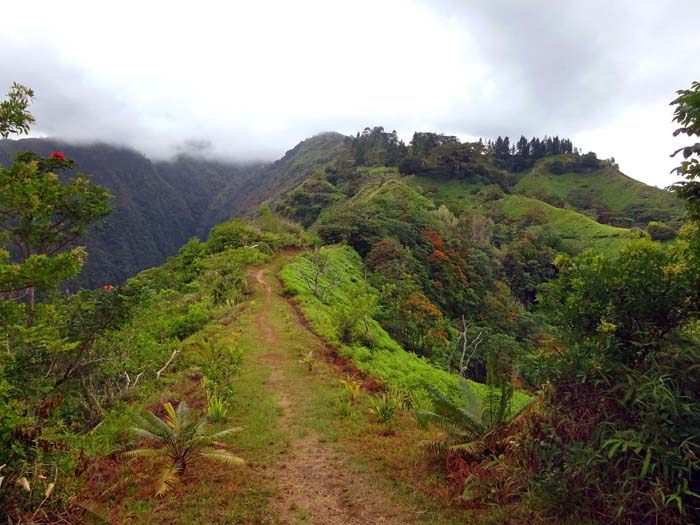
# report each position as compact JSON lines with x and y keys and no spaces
{"x":159,"y":205}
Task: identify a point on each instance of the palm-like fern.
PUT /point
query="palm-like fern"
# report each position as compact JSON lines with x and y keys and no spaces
{"x":463,"y":422}
{"x":470,"y":424}
{"x":182,"y":439}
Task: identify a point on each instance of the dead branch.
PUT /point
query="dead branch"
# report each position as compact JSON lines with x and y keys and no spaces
{"x":167,"y":363}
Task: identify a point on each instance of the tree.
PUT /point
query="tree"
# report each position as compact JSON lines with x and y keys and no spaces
{"x":687,"y":114}
{"x":14,"y":115}
{"x":318,"y":273}
{"x":41,"y":215}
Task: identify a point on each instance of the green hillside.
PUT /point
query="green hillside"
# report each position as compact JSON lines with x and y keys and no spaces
{"x":605,"y":192}
{"x":581,"y":231}
{"x":576,"y":229}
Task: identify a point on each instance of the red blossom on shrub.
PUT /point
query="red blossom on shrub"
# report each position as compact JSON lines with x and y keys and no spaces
{"x":108,"y":287}
{"x":58,"y":155}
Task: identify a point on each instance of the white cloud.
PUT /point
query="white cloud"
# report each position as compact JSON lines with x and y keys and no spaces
{"x":254,"y":78}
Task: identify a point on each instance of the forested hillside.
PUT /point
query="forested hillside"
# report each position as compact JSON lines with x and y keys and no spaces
{"x":159,"y":205}
{"x":432,"y":332}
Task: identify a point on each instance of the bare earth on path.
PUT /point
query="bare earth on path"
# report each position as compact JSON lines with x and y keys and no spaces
{"x":314,"y":481}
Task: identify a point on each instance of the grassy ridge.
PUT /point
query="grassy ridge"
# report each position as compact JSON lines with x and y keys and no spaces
{"x":580,"y":231}
{"x":380,"y":356}
{"x":570,"y":225}
{"x":615,"y":189}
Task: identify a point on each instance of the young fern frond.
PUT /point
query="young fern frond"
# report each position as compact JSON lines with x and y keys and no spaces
{"x":223,"y":456}
{"x":146,"y":452}
{"x":145,"y":433}
{"x":211,"y":438}
{"x":155,"y":425}
{"x":473,"y":448}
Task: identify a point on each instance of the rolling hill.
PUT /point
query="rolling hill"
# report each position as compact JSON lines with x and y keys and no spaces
{"x":605,"y":193}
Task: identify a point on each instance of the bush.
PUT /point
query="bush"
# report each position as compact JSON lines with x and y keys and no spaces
{"x":411,"y":165}
{"x":660,"y":231}
{"x":185,"y":325}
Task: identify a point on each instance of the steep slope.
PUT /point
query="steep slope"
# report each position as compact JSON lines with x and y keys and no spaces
{"x":275,"y":179}
{"x":158,"y":206}
{"x":199,"y":181}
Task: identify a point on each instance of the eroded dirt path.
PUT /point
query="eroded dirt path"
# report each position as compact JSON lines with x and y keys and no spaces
{"x":314,"y":480}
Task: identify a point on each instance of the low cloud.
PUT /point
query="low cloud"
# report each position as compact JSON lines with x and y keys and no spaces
{"x":248,"y":82}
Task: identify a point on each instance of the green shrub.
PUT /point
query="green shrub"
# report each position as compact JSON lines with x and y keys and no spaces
{"x":194,"y":320}
{"x":660,"y":231}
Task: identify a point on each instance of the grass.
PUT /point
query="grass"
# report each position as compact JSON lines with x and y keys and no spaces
{"x":577,"y":230}
{"x":382,"y":358}
{"x":571,"y":226}
{"x":457,"y":195}
{"x":616,"y":190}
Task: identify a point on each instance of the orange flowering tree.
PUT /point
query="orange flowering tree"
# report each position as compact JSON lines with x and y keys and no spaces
{"x":458,"y":276}
{"x":425,"y":327}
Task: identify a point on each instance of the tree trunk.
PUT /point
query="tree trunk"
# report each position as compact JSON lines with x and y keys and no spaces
{"x":30,"y":303}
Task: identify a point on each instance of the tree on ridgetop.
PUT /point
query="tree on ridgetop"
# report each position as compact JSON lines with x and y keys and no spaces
{"x":14,"y":115}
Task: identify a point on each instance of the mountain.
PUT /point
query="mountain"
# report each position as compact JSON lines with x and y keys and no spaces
{"x":158,"y":206}
{"x":583,"y":201}
{"x":199,"y":181}
{"x":270,"y":181}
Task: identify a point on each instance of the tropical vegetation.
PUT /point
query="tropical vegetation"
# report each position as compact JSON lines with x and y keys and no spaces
{"x":533,"y":308}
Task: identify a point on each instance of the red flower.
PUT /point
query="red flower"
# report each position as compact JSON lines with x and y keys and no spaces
{"x":108,"y":287}
{"x":58,"y":155}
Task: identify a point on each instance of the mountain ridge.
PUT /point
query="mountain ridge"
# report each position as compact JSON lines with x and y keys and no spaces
{"x":160,"y":204}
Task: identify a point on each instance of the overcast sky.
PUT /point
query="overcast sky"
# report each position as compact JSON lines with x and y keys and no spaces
{"x":251,"y":79}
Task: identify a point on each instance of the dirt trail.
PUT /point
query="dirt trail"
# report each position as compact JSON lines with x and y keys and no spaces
{"x":266,"y":330}
{"x":315,"y":484}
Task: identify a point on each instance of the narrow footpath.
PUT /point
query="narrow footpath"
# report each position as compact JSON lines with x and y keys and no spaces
{"x":314,"y":477}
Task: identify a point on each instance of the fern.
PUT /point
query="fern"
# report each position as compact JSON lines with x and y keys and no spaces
{"x":470,"y":424}
{"x":181,"y":439}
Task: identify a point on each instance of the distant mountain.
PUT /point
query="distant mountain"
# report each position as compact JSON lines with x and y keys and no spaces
{"x":159,"y":205}
{"x":270,"y":181}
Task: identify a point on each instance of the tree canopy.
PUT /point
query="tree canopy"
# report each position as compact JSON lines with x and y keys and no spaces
{"x":687,"y":114}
